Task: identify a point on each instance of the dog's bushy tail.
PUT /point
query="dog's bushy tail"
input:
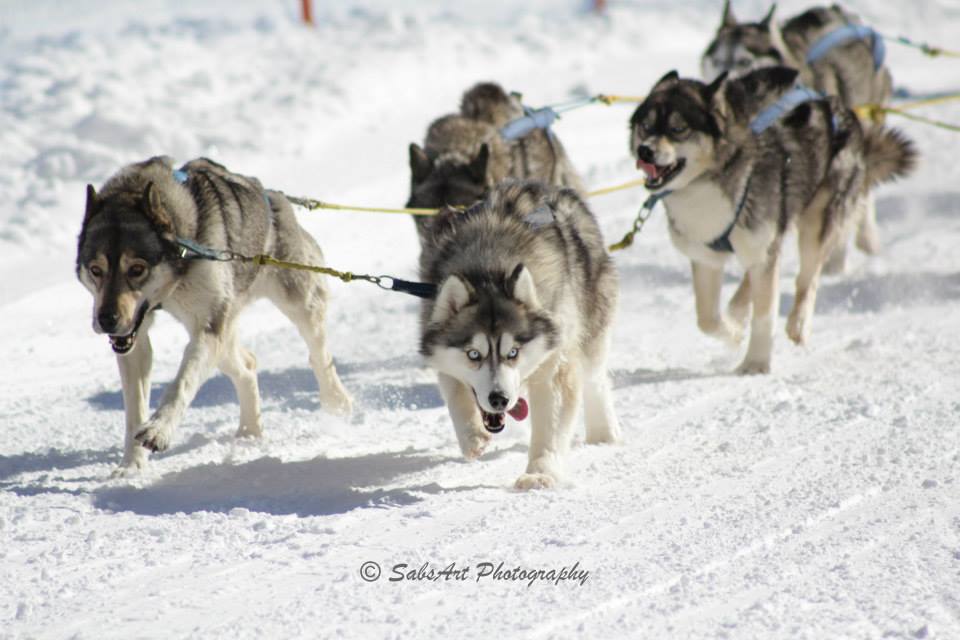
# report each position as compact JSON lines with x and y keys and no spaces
{"x":889,"y":155}
{"x":488,"y":102}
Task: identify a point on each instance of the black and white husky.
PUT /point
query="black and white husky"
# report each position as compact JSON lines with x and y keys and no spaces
{"x":527,"y":295}
{"x":739,"y":162}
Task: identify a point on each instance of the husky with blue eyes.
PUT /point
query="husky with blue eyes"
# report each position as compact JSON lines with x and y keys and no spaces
{"x":526,"y":296}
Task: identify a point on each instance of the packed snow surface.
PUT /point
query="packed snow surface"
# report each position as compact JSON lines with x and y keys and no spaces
{"x":820,"y":501}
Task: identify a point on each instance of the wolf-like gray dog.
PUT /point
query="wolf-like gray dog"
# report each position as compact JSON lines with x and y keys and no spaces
{"x":527,"y":295}
{"x":464,"y":155}
{"x":851,"y":68}
{"x":129,"y":257}
{"x":736,"y":165}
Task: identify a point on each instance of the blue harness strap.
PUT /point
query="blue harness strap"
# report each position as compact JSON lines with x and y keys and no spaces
{"x":532,"y":119}
{"x":787,"y":102}
{"x":844,"y":34}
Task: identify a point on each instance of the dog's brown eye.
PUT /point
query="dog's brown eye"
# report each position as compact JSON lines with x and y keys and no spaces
{"x":96,"y":271}
{"x":136,"y":271}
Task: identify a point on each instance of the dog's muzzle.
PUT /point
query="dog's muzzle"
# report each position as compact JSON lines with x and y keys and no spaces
{"x":496,"y":422}
{"x":123,"y":344}
{"x":659,"y":175}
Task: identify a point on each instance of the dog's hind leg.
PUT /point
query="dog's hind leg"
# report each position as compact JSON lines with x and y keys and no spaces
{"x":868,"y":236}
{"x":813,"y":252}
{"x":764,"y":293}
{"x":303,"y":301}
{"x":707,"y":282}
{"x":241,"y":367}
{"x":461,"y":404}
{"x":601,"y":420}
{"x":555,"y":401}
{"x":135,"y":380}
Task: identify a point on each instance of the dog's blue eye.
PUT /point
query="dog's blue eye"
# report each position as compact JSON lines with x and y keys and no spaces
{"x":513,"y":353}
{"x":678,"y":130}
{"x":474,"y":355}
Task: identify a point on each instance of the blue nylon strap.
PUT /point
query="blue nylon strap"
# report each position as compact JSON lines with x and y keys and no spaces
{"x":847,"y":33}
{"x":534,"y":119}
{"x":787,"y":102}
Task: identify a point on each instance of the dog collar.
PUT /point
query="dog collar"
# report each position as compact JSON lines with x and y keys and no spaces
{"x":845,"y":34}
{"x":786,"y":103}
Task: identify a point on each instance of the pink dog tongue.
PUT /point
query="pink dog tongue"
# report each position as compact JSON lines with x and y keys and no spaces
{"x":649,"y":169}
{"x":520,"y":410}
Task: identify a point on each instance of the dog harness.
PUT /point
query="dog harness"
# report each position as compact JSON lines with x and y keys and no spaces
{"x":531,"y":119}
{"x":722,"y":242}
{"x":786,"y":103}
{"x":845,"y":34}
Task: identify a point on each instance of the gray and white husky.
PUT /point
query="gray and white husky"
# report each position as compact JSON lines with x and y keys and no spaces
{"x":129,"y":257}
{"x":526,"y":298}
{"x":834,"y":54}
{"x":465,"y":155}
{"x":740,"y":161}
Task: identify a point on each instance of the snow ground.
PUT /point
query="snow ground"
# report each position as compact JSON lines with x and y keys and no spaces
{"x":820,"y":501}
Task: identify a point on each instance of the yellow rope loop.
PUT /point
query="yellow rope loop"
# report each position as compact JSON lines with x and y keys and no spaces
{"x":625,"y":242}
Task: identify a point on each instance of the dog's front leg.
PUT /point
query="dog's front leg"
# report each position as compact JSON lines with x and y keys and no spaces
{"x":555,"y":402}
{"x":461,"y":404}
{"x":198,"y":360}
{"x":135,"y":380}
{"x":707,"y":283}
{"x":764,"y":293}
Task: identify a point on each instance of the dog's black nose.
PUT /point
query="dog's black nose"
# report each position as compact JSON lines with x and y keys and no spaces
{"x":645,"y":153}
{"x":497,"y":400}
{"x":108,"y":321}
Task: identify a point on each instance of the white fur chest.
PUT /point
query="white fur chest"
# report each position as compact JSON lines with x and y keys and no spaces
{"x":698,"y":214}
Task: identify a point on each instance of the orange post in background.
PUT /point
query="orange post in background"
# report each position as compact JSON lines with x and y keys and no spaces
{"x":307,"y":11}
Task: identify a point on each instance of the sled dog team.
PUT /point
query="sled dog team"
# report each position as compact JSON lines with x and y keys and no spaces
{"x":526,"y":292}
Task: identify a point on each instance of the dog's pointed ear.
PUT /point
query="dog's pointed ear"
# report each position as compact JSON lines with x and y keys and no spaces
{"x":91,"y":206}
{"x":453,"y":296}
{"x":728,"y":20}
{"x":157,"y":215}
{"x":420,"y":163}
{"x":776,"y":35}
{"x":478,"y":167}
{"x":714,"y":86}
{"x":718,"y":96}
{"x":664,"y":82}
{"x":768,"y":20}
{"x":521,"y":288}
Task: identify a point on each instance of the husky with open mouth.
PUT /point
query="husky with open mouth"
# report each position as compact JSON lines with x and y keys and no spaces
{"x":835,"y":54}
{"x":740,"y":161}
{"x":130,"y":258}
{"x":521,"y":321}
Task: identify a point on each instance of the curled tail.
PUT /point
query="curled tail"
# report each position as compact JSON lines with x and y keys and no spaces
{"x":889,"y":155}
{"x":488,"y":102}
